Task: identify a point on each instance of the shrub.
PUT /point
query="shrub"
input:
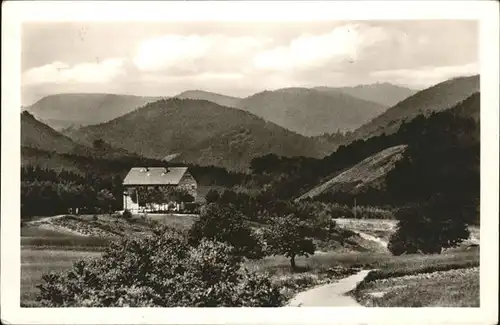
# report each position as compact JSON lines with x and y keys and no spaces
{"x":160,"y":270}
{"x":127,"y":214}
{"x":225,"y":223}
{"x":428,"y":228}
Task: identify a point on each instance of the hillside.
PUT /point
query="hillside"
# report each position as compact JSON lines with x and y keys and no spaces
{"x":37,"y":135}
{"x":437,"y":98}
{"x":311,"y":112}
{"x":201,"y":132}
{"x":471,"y":107}
{"x":219,"y":99}
{"x":385,"y":94}
{"x":73,"y":110}
{"x":368,"y":173}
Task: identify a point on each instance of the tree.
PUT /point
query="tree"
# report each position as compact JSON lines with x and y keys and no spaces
{"x":98,"y":143}
{"x":291,"y":236}
{"x":438,"y":181}
{"x":227,"y":224}
{"x":105,"y":199}
{"x":161,"y":270}
{"x":430,"y":227}
{"x":212,"y":196}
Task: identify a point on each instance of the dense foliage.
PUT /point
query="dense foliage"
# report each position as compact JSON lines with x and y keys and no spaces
{"x":439,"y":177}
{"x":455,"y":132}
{"x":160,"y":271}
{"x":46,"y":192}
{"x":291,"y":236}
{"x":227,"y":224}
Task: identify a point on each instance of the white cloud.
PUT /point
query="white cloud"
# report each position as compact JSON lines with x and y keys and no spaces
{"x":59,"y":72}
{"x":194,"y":53}
{"x":253,"y":58}
{"x":343,"y":43}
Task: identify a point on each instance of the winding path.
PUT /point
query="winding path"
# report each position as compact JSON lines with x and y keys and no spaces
{"x":331,"y":295}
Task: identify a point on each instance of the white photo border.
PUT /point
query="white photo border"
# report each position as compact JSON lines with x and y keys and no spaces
{"x":14,"y":13}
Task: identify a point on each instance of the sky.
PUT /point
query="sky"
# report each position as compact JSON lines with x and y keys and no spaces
{"x":239,"y":59}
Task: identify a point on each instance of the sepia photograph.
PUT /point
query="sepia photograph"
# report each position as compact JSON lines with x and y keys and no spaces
{"x":251,"y":163}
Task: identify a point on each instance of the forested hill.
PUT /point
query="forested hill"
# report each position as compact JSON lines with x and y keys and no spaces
{"x":439,"y":97}
{"x":73,"y":110}
{"x":435,"y":134}
{"x":385,"y":94}
{"x":199,"y":132}
{"x":311,"y":112}
{"x":37,"y":135}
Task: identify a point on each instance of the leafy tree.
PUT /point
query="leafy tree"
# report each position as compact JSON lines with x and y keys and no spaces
{"x":161,"y":270}
{"x":428,"y":228}
{"x":290,"y":235}
{"x":105,"y":199}
{"x":225,"y":223}
{"x":212,"y":196}
{"x":439,"y":178}
{"x":98,"y":143}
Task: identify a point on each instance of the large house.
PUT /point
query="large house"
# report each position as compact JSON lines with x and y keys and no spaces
{"x":140,"y":182}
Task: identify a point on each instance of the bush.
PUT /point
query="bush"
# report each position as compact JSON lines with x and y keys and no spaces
{"x":428,"y":228}
{"x":127,"y":214}
{"x":225,"y":223}
{"x":160,"y":270}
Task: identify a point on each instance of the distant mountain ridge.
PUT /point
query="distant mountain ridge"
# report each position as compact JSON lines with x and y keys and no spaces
{"x":199,"y":132}
{"x":385,"y":93}
{"x":73,"y":110}
{"x":78,"y":109}
{"x":219,"y":99}
{"x":439,"y":97}
{"x":311,"y":112}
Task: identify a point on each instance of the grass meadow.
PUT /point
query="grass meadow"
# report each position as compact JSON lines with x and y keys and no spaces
{"x":47,"y":250}
{"x":446,"y":286}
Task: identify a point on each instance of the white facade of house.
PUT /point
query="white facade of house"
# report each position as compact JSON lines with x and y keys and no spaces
{"x":161,"y":178}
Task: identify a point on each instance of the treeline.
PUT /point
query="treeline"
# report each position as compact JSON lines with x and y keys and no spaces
{"x":261,"y":207}
{"x":47,"y":192}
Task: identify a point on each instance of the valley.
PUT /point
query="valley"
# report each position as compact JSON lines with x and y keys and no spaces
{"x":306,"y":188}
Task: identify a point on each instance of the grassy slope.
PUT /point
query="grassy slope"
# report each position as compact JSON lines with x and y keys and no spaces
{"x":369,"y":172}
{"x":453,"y":284}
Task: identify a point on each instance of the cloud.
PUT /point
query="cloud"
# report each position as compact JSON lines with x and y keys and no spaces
{"x":195,"y":53}
{"x":239,"y":59}
{"x":86,"y":72}
{"x":342,"y":44}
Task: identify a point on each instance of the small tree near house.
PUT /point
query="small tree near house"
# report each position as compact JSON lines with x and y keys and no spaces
{"x":291,"y":236}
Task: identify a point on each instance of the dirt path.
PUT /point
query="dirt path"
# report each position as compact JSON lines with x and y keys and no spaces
{"x":331,"y":295}
{"x":372,"y":238}
{"x":45,"y":219}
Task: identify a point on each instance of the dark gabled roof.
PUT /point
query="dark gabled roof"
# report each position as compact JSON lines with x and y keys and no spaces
{"x":154,"y":176}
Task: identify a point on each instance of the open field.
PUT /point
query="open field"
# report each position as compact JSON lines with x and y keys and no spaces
{"x":36,"y":262}
{"x":369,"y":260}
{"x":46,"y":247}
{"x":384,"y":228}
{"x":457,"y":287}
